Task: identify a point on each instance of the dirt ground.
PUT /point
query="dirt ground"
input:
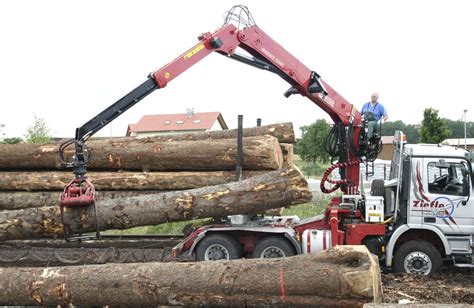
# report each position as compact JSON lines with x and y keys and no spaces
{"x":452,"y":286}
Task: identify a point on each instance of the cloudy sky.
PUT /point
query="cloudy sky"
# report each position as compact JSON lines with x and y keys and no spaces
{"x":65,"y":61}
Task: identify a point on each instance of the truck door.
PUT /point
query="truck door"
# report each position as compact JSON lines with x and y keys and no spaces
{"x":444,"y":189}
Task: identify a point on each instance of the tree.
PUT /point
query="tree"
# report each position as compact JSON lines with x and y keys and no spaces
{"x":457,"y":128}
{"x":38,"y":132}
{"x":13,"y":140}
{"x":412,"y":131}
{"x":311,"y":145}
{"x":433,"y":128}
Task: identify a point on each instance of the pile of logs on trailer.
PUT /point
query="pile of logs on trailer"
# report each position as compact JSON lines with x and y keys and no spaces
{"x":151,"y":181}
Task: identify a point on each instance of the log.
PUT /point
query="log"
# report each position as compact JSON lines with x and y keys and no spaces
{"x":57,"y":180}
{"x":15,"y":200}
{"x":260,"y":153}
{"x":254,"y":195}
{"x":282,"y":131}
{"x":22,"y":200}
{"x":345,"y":276}
{"x":77,"y":256}
{"x":106,"y":241}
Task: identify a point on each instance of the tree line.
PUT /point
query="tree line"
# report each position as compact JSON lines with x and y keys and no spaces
{"x":432,"y":129}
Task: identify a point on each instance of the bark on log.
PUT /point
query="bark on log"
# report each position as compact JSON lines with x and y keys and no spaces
{"x":56,"y":180}
{"x":282,"y":131}
{"x":78,"y":256}
{"x":23,"y":200}
{"x":107,"y":241}
{"x":254,"y":195}
{"x":260,"y":153}
{"x":345,"y":276}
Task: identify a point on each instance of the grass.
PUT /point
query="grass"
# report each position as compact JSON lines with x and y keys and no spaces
{"x":309,"y":169}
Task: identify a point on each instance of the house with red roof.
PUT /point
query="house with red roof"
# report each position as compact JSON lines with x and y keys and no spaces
{"x":162,"y":124}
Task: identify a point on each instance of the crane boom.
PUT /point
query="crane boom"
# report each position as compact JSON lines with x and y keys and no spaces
{"x":266,"y":54}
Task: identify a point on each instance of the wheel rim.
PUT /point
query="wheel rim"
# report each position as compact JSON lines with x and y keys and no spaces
{"x":272,"y":252}
{"x":216,"y":252}
{"x":418,"y":262}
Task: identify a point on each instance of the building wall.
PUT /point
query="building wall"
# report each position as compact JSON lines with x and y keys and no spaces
{"x":151,"y":134}
{"x":386,"y":153}
{"x":216,"y":126}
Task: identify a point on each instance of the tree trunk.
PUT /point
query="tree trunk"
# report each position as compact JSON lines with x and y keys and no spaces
{"x":15,"y":200}
{"x":254,"y":195}
{"x":57,"y":180}
{"x":77,"y":256}
{"x":260,"y":153}
{"x":283,"y":132}
{"x":107,"y":241}
{"x":344,"y":276}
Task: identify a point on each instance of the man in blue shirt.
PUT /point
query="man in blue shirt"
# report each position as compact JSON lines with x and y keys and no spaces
{"x":373,"y":111}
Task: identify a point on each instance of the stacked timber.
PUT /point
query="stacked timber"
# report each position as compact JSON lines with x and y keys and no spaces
{"x":31,"y":175}
{"x":150,"y":181}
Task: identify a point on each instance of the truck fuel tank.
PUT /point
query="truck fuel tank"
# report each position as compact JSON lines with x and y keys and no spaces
{"x":315,"y":240}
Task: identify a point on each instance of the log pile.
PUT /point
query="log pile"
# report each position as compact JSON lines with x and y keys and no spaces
{"x":345,"y":276}
{"x":150,"y":181}
{"x":274,"y":189}
{"x":31,"y":175}
{"x":163,"y":179}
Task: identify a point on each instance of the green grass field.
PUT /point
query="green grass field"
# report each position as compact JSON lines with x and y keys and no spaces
{"x":311,"y":170}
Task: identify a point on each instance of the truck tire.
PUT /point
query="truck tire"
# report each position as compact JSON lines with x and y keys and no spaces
{"x":417,"y":257}
{"x":273,"y":247}
{"x":215,"y":247}
{"x":377,"y":188}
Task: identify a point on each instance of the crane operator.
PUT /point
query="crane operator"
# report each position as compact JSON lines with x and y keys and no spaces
{"x":373,"y":111}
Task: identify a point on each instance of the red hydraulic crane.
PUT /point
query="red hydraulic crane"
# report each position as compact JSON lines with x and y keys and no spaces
{"x":349,"y":141}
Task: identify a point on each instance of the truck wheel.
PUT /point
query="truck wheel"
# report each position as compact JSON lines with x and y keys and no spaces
{"x":417,"y":257}
{"x":218,"y":247}
{"x":377,"y":188}
{"x":273,"y":247}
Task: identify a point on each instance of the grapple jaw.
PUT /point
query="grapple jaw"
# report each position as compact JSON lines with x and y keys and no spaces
{"x":78,"y":193}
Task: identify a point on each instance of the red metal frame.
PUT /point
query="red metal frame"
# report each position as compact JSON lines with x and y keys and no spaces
{"x":351,"y":234}
{"x":355,"y":233}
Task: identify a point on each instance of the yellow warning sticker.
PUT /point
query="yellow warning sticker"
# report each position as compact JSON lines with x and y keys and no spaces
{"x":194,"y":51}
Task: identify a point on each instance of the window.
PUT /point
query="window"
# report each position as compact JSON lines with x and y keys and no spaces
{"x":168,"y":122}
{"x":448,"y":178}
{"x":179,"y":122}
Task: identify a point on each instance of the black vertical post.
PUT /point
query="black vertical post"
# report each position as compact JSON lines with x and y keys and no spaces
{"x":343,"y":150}
{"x":238,"y":168}
{"x":259,"y":122}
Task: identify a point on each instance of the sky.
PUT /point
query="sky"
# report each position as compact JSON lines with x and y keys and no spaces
{"x":66,"y":61}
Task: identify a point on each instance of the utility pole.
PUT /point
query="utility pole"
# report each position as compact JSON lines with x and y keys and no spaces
{"x":465,"y":130}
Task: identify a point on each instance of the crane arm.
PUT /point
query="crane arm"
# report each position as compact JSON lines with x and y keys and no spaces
{"x":265,"y":54}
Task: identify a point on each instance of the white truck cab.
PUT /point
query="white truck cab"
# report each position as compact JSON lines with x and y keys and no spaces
{"x":430,"y":195}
